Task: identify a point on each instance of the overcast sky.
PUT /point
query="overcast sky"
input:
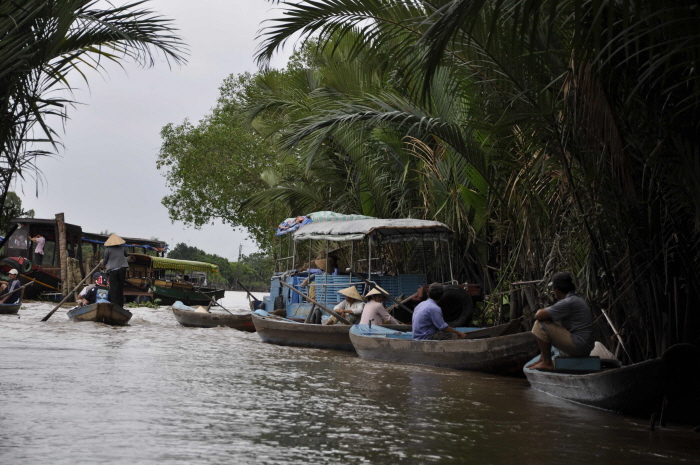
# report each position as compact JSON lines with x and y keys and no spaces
{"x":105,"y":177}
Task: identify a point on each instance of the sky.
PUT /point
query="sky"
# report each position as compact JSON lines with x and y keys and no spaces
{"x":105,"y":175}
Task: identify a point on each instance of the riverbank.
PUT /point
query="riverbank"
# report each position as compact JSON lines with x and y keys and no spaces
{"x":155,"y":392}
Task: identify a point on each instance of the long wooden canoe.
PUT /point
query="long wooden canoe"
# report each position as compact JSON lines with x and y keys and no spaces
{"x":630,"y":389}
{"x":187,"y":316}
{"x":284,"y":332}
{"x":493,"y":350}
{"x":103,"y":312}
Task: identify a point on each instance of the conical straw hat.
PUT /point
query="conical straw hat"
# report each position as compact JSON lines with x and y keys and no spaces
{"x":114,"y":240}
{"x":351,"y":292}
{"x":376,"y":291}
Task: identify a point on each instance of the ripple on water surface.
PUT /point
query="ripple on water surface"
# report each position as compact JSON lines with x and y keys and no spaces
{"x":155,"y":392}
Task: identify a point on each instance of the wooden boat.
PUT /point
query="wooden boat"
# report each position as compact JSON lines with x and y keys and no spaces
{"x":285,"y":332}
{"x":103,"y":312}
{"x":629,"y":389}
{"x":164,"y":279}
{"x":296,"y":294}
{"x":187,"y":316}
{"x":499,"y":350}
{"x":10,"y":309}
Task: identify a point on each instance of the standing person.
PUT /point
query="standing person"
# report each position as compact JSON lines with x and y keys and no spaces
{"x":39,"y":249}
{"x":374,"y":310}
{"x":11,"y":293}
{"x":428,"y":322}
{"x":350,"y":308}
{"x":115,"y":264}
{"x":566,"y":325}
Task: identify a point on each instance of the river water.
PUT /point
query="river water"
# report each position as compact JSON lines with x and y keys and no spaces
{"x":155,"y":392}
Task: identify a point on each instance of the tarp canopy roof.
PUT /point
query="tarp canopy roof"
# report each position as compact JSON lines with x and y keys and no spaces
{"x":173,"y":264}
{"x":389,"y":229}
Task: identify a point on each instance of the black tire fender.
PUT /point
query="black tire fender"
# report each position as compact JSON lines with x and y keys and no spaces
{"x":457,"y":306}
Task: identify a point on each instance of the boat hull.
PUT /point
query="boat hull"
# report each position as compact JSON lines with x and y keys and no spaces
{"x":498,"y":354}
{"x":10,"y":309}
{"x":279,"y":331}
{"x":186,"y":316}
{"x":104,"y":312}
{"x":633,"y":389}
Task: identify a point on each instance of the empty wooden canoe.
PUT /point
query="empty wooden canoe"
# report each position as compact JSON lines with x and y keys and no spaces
{"x":187,"y":316}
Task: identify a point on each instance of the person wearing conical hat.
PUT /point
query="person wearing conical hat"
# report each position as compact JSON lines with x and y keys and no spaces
{"x":350,"y":308}
{"x":115,"y":264}
{"x":374,"y":311}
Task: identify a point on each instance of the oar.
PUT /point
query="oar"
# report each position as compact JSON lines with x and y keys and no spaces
{"x":71,"y":292}
{"x":325,"y":309}
{"x":39,"y":282}
{"x":388,"y":296}
{"x":244,"y":288}
{"x":214,"y":302}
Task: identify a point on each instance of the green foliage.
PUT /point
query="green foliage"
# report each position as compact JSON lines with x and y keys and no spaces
{"x":12,"y":209}
{"x":43,"y":45}
{"x":211,"y":168}
{"x":150,"y":304}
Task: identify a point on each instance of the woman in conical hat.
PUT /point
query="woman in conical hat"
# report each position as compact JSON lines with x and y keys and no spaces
{"x":350,"y":308}
{"x":115,"y":263}
{"x":374,"y":312}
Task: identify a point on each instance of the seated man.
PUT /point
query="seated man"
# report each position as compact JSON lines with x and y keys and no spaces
{"x":350,"y":308}
{"x":428,"y":322}
{"x":374,"y":310}
{"x":566,"y":325}
{"x":11,"y":293}
{"x":96,"y":292}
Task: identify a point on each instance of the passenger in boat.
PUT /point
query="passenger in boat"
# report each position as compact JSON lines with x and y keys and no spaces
{"x":89,"y":294}
{"x":39,"y":249}
{"x":350,"y":308}
{"x":566,"y":325}
{"x":10,"y":293}
{"x":116,"y":264}
{"x":374,"y":310}
{"x":428,"y":322}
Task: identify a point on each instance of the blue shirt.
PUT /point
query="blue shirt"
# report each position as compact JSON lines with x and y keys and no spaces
{"x":427,"y":319}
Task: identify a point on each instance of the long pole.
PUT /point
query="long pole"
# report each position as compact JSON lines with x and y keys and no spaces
{"x":69,"y":294}
{"x":247,"y":291}
{"x":322,"y":307}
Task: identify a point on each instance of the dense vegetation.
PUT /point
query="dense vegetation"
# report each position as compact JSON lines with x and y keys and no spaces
{"x":549,"y":134}
{"x":253,"y":271}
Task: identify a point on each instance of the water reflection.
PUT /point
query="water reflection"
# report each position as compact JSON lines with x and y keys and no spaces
{"x":156,"y":392}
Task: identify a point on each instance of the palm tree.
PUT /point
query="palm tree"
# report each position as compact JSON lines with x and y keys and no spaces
{"x":579,"y":118}
{"x":46,"y":43}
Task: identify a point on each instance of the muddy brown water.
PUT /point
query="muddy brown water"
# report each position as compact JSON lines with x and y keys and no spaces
{"x":155,"y":392}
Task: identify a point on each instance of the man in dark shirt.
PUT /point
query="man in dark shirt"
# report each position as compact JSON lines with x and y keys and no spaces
{"x":566,"y":325}
{"x":13,"y":293}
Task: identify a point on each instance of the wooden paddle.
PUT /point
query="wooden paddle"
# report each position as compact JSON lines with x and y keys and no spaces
{"x":214,"y":302}
{"x":247,"y":291}
{"x":69,"y":294}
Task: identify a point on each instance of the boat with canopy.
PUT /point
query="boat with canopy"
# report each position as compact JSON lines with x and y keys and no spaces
{"x":397,"y":256}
